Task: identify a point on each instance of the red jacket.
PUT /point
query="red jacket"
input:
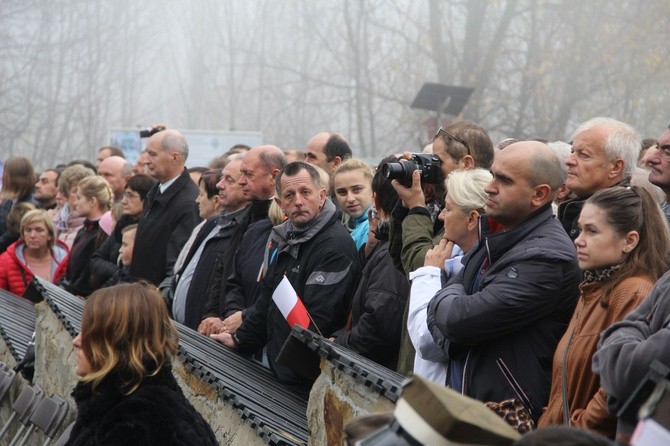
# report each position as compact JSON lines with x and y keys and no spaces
{"x":12,"y":262}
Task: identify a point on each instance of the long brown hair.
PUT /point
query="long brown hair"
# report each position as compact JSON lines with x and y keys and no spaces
{"x":18,"y":178}
{"x":634,"y":209}
{"x":127,"y":328}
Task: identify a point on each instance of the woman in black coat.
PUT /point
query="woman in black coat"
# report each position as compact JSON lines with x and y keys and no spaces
{"x":378,"y":304}
{"x":127,"y":393}
{"x":94,"y":198}
{"x":104,"y":262}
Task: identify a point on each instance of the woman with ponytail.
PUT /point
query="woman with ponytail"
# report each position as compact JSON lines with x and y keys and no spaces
{"x":622,"y":249}
{"x":94,"y":198}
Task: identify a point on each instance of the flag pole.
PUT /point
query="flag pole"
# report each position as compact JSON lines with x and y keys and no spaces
{"x":312,"y":320}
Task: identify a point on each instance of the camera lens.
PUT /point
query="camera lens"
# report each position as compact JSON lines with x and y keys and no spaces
{"x":393,"y":171}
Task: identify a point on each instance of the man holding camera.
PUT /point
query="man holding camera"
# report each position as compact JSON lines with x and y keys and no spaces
{"x":414,"y":225}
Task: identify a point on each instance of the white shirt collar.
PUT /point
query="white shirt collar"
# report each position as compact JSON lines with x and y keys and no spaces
{"x":163,"y":187}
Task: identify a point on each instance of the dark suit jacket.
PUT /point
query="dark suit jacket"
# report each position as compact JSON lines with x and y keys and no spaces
{"x":165,"y":225}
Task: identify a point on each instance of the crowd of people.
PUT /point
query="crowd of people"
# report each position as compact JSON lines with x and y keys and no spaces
{"x":529,"y":275}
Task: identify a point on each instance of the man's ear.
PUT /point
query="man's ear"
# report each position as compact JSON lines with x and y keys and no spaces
{"x":323,"y":193}
{"x":467,"y":162}
{"x":336,"y":162}
{"x":617,"y":168}
{"x":541,"y":194}
{"x":278,"y":201}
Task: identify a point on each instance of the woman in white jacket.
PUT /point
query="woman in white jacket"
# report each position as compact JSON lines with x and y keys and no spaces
{"x":464,"y":204}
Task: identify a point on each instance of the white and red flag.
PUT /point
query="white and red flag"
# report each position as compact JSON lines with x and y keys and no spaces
{"x":290,"y":305}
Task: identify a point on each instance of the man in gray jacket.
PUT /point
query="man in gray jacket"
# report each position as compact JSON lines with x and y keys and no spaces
{"x":628,"y":348}
{"x":499,"y":320}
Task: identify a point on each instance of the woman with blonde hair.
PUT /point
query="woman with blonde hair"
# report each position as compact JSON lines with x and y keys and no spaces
{"x":127,"y":393}
{"x":622,"y":248}
{"x":94,"y":198}
{"x":37,"y":252}
{"x":463,"y":206}
{"x":353,"y":189}
{"x":67,"y":221}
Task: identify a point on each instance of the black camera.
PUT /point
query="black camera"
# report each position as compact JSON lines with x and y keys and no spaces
{"x":429,"y":166}
{"x":148,"y":132}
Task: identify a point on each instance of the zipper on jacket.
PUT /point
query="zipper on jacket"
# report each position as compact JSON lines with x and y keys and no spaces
{"x":465,"y":367}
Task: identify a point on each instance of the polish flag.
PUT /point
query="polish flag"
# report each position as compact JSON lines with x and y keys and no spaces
{"x":290,"y":305}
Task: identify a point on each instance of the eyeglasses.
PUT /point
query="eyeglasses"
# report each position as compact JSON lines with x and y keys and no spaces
{"x":664,"y":150}
{"x":128,"y":194}
{"x":506,"y":142}
{"x":442,"y":130}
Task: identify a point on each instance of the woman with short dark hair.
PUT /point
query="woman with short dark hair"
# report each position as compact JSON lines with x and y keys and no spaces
{"x":105,"y":260}
{"x":127,"y":393}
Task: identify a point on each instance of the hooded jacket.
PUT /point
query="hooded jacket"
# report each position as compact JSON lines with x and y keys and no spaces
{"x":15,"y":274}
{"x":510,"y":303}
{"x":377,"y":309}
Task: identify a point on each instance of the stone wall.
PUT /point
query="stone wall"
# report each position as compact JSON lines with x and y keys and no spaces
{"x":54,"y":372}
{"x":17,"y":385}
{"x":335,"y":399}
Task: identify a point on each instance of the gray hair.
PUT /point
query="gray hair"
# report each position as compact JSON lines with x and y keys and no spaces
{"x":466,"y":188}
{"x":293,"y":169}
{"x":562,"y":151}
{"x":177,"y":143}
{"x":622,"y":142}
{"x":127,"y":169}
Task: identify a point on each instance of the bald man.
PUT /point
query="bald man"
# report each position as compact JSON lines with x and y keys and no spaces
{"x":327,"y":150}
{"x":170,"y":211}
{"x":512,"y":301}
{"x":116,"y":171}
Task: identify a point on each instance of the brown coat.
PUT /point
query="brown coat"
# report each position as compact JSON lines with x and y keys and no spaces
{"x":588,"y":404}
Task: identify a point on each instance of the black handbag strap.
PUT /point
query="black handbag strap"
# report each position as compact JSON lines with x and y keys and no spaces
{"x":23,"y":276}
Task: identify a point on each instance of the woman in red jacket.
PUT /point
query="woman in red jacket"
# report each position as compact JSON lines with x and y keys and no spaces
{"x":37,"y":252}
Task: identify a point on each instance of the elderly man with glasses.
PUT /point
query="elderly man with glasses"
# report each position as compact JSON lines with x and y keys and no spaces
{"x":414,"y":226}
{"x":658,"y":159}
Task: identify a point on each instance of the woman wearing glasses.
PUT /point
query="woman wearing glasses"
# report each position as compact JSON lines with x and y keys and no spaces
{"x":104,"y":262}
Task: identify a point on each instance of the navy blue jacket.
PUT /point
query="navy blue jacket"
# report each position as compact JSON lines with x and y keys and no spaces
{"x":516,"y":310}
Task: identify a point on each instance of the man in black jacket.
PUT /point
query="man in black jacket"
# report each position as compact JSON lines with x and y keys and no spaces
{"x":209,"y":247}
{"x":170,"y":212}
{"x":318,"y":257}
{"x":499,"y":320}
{"x":260,"y":166}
